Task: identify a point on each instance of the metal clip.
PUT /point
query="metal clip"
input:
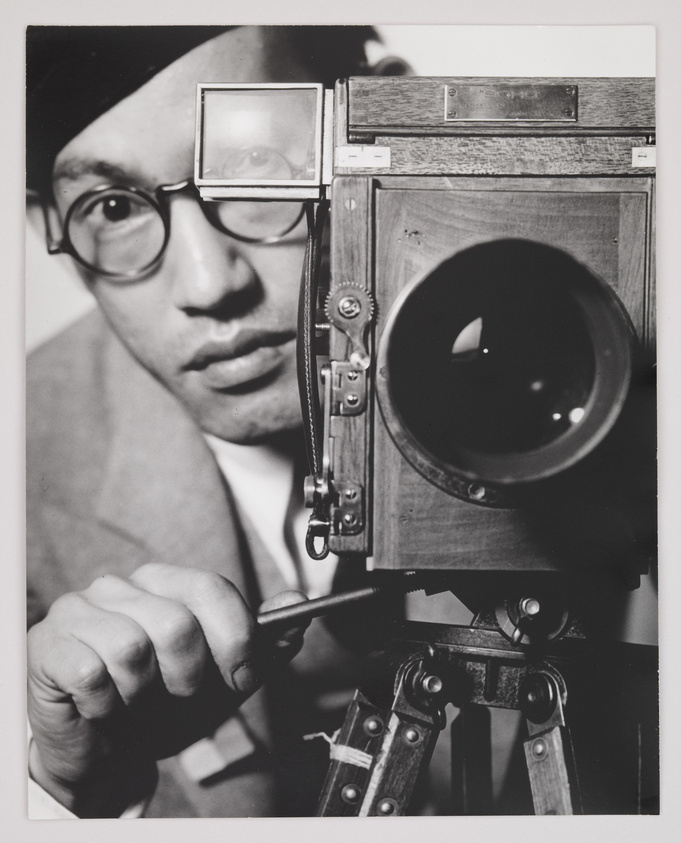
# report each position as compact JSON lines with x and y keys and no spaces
{"x":348,"y":389}
{"x":348,"y":514}
{"x":350,"y":308}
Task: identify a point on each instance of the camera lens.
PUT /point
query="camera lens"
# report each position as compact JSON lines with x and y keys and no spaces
{"x":505,"y":364}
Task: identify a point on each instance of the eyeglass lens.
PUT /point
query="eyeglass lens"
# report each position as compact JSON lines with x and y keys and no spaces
{"x":118,"y":231}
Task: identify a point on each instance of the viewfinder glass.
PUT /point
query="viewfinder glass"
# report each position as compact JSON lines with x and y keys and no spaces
{"x":260,"y":136}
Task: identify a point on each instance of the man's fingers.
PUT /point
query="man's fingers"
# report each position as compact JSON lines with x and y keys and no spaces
{"x":74,"y":671}
{"x":175,"y":635}
{"x":224,"y":617}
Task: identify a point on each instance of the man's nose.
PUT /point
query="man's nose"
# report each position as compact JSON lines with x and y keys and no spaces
{"x":206,"y":266}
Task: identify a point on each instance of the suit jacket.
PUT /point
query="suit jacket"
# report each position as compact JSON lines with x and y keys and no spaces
{"x":118,"y":475}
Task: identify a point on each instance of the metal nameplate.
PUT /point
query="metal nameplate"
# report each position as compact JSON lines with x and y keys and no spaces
{"x":511,"y":102}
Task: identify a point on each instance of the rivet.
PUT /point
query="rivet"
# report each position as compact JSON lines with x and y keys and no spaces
{"x":539,"y":748}
{"x":373,"y":725}
{"x":412,"y":735}
{"x":350,"y":794}
{"x":386,"y":807}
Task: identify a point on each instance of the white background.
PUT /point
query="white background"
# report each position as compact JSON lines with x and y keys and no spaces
{"x":666,"y":16}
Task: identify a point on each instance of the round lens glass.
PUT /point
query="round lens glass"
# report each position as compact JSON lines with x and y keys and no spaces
{"x":116,"y":231}
{"x":257,"y":221}
{"x":492,"y":353}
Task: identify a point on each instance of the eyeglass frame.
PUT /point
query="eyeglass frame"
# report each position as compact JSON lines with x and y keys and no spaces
{"x":160,"y":203}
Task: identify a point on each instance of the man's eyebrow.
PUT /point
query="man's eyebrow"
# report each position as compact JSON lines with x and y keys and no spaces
{"x":72,"y":169}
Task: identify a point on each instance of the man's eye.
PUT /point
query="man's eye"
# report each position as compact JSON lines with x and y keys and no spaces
{"x":116,"y":208}
{"x":113,"y":209}
{"x":260,"y":163}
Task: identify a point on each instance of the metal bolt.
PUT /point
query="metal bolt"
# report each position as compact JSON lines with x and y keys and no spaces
{"x":350,"y":794}
{"x":538,"y":697}
{"x":349,"y":306}
{"x":349,"y":519}
{"x":387,"y":807}
{"x":350,"y":494}
{"x":352,"y":375}
{"x":431,"y":684}
{"x":568,"y":112}
{"x":412,"y":735}
{"x":476,"y":491}
{"x":452,"y":113}
{"x":352,"y":399}
{"x":530,"y":606}
{"x":452,"y":92}
{"x":539,"y":748}
{"x":373,"y":726}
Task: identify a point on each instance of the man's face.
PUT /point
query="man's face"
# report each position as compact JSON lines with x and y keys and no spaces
{"x":215,"y":321}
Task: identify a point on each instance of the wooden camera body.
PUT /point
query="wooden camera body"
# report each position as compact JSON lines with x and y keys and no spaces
{"x":512,"y":218}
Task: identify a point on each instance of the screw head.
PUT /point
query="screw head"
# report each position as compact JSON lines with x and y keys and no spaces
{"x":537,"y":698}
{"x":373,"y":726}
{"x":349,"y":519}
{"x":352,"y":375}
{"x":539,"y":748}
{"x":351,"y":399}
{"x":350,"y":794}
{"x":350,"y":494}
{"x":349,"y":306}
{"x":431,"y":684}
{"x":412,"y":735}
{"x":386,"y":807}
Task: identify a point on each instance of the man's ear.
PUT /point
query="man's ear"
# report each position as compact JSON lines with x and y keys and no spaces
{"x":392,"y":66}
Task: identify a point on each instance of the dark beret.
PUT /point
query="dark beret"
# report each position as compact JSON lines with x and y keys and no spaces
{"x":76,"y":73}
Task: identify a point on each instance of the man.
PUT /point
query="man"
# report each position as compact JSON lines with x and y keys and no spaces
{"x":145,"y":565}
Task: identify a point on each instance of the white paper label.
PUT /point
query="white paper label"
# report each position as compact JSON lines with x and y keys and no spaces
{"x":364,"y":157}
{"x":643,"y":156}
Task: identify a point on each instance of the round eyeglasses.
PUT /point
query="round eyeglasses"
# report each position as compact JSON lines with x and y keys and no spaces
{"x":122,"y":232}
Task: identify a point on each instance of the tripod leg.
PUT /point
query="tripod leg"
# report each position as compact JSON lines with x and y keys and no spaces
{"x":548,"y":750}
{"x":472,"y":761}
{"x":548,"y":765}
{"x":379,"y":754}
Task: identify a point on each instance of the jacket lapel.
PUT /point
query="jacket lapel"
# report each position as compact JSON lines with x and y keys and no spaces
{"x":161,"y":485}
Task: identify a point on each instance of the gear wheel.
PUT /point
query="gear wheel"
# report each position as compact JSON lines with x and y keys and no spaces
{"x":346,"y":303}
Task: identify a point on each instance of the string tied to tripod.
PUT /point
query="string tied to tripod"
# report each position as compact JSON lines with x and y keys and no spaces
{"x":341,"y":752}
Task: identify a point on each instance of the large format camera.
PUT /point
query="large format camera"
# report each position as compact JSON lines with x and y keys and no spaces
{"x":484,"y":408}
{"x":490,"y":307}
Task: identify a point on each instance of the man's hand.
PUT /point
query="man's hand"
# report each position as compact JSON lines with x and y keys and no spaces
{"x":133,"y":670}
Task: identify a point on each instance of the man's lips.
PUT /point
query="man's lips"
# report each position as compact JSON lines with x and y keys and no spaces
{"x":248,"y":356}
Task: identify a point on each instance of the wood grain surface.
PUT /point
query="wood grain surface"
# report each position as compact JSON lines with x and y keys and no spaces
{"x":413,"y":102}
